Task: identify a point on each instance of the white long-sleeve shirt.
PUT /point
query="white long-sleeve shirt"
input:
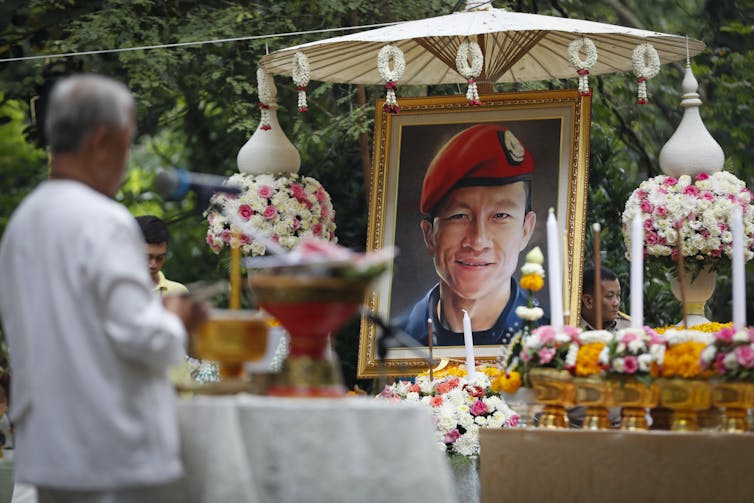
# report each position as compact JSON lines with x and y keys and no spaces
{"x":90,"y":343}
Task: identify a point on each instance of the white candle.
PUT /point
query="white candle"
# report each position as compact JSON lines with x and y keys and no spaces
{"x":739,"y":272}
{"x":637,"y":272}
{"x":468,"y":341}
{"x":553,"y":266}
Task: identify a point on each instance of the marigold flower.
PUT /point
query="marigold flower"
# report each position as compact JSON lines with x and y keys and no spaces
{"x":532,"y":282}
{"x":507,"y":383}
{"x":588,"y":359}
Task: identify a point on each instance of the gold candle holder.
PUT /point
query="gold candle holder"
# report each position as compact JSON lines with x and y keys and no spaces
{"x":555,"y":390}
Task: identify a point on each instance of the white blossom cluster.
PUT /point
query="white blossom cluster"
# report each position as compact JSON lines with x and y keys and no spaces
{"x":633,"y":350}
{"x":285,"y":207}
{"x":701,"y":208}
{"x":460,"y":408}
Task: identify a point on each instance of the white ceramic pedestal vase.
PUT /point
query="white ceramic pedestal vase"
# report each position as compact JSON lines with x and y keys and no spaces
{"x":697,"y":293}
{"x":466,"y":478}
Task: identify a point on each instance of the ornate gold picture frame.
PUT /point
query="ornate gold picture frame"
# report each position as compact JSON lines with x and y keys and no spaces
{"x":554,"y":126}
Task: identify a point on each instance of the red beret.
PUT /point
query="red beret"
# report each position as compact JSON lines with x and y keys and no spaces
{"x":485,"y":154}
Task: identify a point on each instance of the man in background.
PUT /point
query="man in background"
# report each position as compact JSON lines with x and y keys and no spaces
{"x":90,"y":344}
{"x":476,"y":199}
{"x":612,"y":318}
{"x":156,"y":235}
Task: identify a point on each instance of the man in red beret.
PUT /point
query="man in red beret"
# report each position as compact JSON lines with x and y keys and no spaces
{"x":476,"y":199}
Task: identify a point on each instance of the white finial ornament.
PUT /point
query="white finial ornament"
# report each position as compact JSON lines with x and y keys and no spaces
{"x":582,"y":65}
{"x":470,"y":49}
{"x":268,"y":150}
{"x":391,"y":75}
{"x":301,"y":75}
{"x":692,"y":149}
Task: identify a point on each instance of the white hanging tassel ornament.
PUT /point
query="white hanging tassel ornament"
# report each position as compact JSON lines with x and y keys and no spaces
{"x":266,"y":94}
{"x":301,"y":75}
{"x":391,"y":76}
{"x":582,"y":66}
{"x":646,"y":65}
{"x":470,"y":71}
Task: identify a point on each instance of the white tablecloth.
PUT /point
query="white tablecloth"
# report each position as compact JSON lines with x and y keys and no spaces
{"x":258,"y":449}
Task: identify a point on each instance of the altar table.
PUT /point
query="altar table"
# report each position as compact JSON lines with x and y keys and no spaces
{"x":615,"y":466}
{"x":247,"y":448}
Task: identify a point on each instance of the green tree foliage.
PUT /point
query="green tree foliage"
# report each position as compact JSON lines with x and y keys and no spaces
{"x":198,"y":104}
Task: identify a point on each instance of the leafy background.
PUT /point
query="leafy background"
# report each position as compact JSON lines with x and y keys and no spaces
{"x":197,"y":107}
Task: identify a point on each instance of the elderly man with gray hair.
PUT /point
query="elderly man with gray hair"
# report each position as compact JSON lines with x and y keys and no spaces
{"x":90,"y":342}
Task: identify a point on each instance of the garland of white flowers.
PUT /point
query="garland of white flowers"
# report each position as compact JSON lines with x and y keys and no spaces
{"x":470,"y":71}
{"x":266,"y":94}
{"x":391,"y":76}
{"x":301,"y":75}
{"x":582,"y":66}
{"x":646,"y":65}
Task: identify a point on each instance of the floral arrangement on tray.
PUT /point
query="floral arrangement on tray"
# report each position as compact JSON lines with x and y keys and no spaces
{"x":460,"y":406}
{"x":283,"y":207}
{"x":699,"y":209}
{"x":682,"y":357}
{"x":730,"y":355}
{"x":635,"y":353}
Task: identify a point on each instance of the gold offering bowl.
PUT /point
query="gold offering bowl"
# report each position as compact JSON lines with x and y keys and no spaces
{"x":555,"y":390}
{"x":594,"y":393}
{"x":232,"y":337}
{"x":734,"y":399}
{"x":634,"y":398}
{"x":687,"y":398}
{"x":311,"y":307}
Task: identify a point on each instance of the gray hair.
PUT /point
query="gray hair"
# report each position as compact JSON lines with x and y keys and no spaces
{"x":79,"y":104}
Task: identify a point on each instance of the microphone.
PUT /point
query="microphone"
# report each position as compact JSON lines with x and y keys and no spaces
{"x":174,"y":184}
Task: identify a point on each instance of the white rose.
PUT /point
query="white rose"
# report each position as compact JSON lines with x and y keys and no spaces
{"x":645,"y":362}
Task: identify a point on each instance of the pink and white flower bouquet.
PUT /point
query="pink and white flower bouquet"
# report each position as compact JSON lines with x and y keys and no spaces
{"x":284,"y":207}
{"x":547,"y":347}
{"x":460,"y":405}
{"x":700,"y":209}
{"x":731,"y":354}
{"x":635,"y":352}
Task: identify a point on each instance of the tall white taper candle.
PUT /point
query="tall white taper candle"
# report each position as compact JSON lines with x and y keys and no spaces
{"x":637,"y":272}
{"x":739,"y":271}
{"x":553,"y":274}
{"x":468,"y":341}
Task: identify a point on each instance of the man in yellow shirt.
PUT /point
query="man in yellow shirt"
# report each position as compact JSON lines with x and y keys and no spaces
{"x":155,"y":233}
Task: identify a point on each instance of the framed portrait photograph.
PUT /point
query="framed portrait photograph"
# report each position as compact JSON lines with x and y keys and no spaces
{"x":551,"y":126}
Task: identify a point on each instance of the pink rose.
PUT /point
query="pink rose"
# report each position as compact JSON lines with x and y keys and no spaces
{"x":651,"y":237}
{"x":446,"y":386}
{"x":630,"y":364}
{"x":701,"y":176}
{"x":435,"y":401}
{"x":649,"y":224}
{"x":670,"y":181}
{"x":478,"y":408}
{"x":298,"y":192}
{"x":725,"y":334}
{"x":571,"y":332}
{"x":317,"y":229}
{"x":720,"y":364}
{"x":661,"y":211}
{"x":320,"y":195}
{"x":524,"y":355}
{"x":270,"y":211}
{"x":225,"y":235}
{"x":324,"y":212}
{"x":646,"y":206}
{"x":265,"y":191}
{"x":707,"y":195}
{"x":245,"y":211}
{"x":513,"y":420}
{"x":546,"y":355}
{"x":745,"y":356}
{"x":452,"y":436}
{"x":628,"y":337}
{"x":414,"y":388}
{"x":296,"y":224}
{"x":546,"y":334}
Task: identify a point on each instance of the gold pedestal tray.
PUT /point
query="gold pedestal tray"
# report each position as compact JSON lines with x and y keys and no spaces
{"x":687,"y":397}
{"x":733,"y":399}
{"x":634,"y":398}
{"x":594,"y":394}
{"x":555,"y":390}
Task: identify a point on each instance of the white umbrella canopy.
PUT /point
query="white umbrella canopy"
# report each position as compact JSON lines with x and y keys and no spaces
{"x":517,"y":47}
